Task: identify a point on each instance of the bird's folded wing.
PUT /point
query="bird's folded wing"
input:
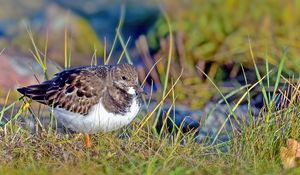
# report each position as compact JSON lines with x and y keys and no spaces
{"x":75,"y":90}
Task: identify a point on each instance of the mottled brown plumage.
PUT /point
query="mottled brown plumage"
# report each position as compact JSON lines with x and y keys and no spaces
{"x":77,"y":90}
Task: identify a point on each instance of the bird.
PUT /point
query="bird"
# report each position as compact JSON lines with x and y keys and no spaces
{"x":91,"y":99}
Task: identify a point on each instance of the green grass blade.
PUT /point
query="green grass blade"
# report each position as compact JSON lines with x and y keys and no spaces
{"x":124,"y":46}
{"x":124,"y":50}
{"x":121,"y":21}
{"x":258,"y":75}
{"x":279,"y":72}
{"x":168,"y":62}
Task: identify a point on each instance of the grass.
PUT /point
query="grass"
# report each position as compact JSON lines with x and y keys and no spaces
{"x":254,"y":149}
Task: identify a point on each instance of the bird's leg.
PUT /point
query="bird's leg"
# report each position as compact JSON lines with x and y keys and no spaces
{"x":88,"y":143}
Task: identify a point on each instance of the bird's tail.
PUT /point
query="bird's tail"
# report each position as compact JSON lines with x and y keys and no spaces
{"x":35,"y":92}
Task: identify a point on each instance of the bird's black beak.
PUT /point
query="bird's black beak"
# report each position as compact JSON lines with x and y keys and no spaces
{"x":140,"y":90}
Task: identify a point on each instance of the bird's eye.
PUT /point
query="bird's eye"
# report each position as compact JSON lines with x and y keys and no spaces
{"x":124,"y":78}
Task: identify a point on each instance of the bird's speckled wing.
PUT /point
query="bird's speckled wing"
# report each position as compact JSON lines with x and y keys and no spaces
{"x":75,"y":90}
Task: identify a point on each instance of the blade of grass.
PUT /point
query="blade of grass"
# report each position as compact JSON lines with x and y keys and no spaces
{"x":1,"y":52}
{"x":258,"y":75}
{"x":168,"y":61}
{"x":150,"y":96}
{"x":46,"y":48}
{"x":279,"y":72}
{"x":248,"y":96}
{"x":66,"y":46}
{"x":104,"y":51}
{"x":268,"y":77}
{"x":111,"y":50}
{"x":9,"y":106}
{"x":168,"y":114}
{"x":16,"y":116}
{"x":94,"y":57}
{"x":121,"y":21}
{"x":148,"y":74}
{"x":4,"y":105}
{"x":124,"y":51}
{"x":37,"y":55}
{"x":124,"y":46}
{"x":70,"y":53}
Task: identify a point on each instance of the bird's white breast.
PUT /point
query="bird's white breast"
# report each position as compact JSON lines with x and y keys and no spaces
{"x":98,"y":119}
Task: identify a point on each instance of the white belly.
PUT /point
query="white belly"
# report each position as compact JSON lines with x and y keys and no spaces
{"x":97,"y":120}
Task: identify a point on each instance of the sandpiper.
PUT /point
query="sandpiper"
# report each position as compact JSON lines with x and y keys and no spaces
{"x":91,"y":99}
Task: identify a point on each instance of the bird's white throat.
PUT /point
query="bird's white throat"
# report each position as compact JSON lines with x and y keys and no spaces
{"x":131,"y":91}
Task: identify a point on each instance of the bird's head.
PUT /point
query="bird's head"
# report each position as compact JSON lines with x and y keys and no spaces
{"x":125,"y":77}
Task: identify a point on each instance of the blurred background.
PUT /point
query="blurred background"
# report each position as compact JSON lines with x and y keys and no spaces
{"x":211,"y":35}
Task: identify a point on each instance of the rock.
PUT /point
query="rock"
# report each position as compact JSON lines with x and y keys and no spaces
{"x":206,"y":123}
{"x":81,"y":38}
{"x":18,"y":71}
{"x":48,"y":18}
